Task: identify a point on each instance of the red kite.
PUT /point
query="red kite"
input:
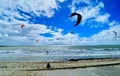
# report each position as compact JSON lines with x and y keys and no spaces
{"x":22,"y":26}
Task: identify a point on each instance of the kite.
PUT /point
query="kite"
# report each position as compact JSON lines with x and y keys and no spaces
{"x":37,"y":41}
{"x":22,"y":26}
{"x":115,"y":34}
{"x":79,"y":18}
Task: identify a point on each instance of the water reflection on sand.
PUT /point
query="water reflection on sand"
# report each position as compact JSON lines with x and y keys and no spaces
{"x":92,"y":71}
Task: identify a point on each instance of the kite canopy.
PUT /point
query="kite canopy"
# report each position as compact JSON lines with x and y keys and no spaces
{"x":115,"y":34}
{"x":22,"y":26}
{"x":71,"y":32}
{"x":79,"y":18}
{"x":37,"y":41}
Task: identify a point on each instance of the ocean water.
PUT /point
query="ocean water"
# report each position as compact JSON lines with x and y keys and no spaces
{"x":57,"y":53}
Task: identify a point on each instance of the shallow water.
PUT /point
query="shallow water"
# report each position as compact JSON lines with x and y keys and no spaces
{"x":57,"y":53}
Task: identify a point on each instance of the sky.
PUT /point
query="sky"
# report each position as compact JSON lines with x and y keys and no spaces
{"x":48,"y":22}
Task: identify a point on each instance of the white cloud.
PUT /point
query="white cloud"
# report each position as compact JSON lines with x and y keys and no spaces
{"x":11,"y":33}
{"x":113,"y":23}
{"x":25,"y":9}
{"x":103,"y":18}
{"x":61,"y":0}
{"x":14,"y":35}
{"x":8,"y":30}
{"x":6,"y":35}
{"x":0,"y":35}
{"x":38,"y":28}
{"x":11,"y":11}
{"x":68,"y":39}
{"x":31,"y":32}
{"x":91,"y":12}
{"x":107,"y":36}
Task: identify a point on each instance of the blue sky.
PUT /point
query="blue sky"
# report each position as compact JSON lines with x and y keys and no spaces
{"x":48,"y":21}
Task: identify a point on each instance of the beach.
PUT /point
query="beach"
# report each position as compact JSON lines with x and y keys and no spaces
{"x":60,"y":68}
{"x":63,"y":61}
{"x":59,"y":38}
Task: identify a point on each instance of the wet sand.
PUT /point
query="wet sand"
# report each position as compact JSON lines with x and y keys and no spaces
{"x":60,"y":68}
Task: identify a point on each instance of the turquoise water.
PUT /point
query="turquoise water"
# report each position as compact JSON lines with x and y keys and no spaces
{"x":58,"y":53}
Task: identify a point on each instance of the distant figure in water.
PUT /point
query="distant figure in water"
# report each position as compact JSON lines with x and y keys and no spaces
{"x":48,"y":65}
{"x":47,"y":52}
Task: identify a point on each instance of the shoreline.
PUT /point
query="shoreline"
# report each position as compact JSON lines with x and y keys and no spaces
{"x":56,"y":65}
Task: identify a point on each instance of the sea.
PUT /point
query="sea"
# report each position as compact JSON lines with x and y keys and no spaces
{"x":57,"y":53}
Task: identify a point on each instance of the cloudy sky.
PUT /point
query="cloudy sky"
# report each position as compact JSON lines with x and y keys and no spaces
{"x":48,"y":22}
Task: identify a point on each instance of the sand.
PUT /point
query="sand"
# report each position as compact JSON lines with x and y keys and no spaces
{"x":40,"y":69}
